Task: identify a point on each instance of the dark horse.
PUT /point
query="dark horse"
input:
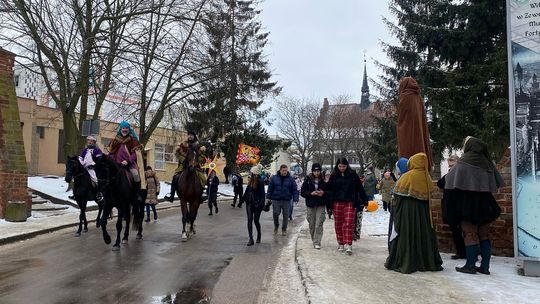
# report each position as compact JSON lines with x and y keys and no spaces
{"x":83,"y":191}
{"x":119,"y":192}
{"x":190,"y":193}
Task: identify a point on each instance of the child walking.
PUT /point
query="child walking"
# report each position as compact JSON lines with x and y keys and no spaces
{"x":152,"y":187}
{"x":212,"y":190}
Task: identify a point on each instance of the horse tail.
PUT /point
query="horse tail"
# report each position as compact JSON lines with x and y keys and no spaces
{"x":137,"y":217}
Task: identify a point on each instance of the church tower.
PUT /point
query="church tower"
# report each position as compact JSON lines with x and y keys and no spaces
{"x":364,"y":100}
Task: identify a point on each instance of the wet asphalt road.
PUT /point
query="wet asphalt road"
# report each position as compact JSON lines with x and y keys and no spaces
{"x":59,"y":268}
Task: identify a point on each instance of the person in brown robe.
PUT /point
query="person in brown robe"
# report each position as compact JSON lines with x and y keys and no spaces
{"x":412,"y":130}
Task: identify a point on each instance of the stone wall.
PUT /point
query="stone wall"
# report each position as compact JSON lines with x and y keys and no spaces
{"x":13,"y":170}
{"x":502,"y":230}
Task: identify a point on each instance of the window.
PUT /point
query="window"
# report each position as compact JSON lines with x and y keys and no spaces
{"x":41,"y":132}
{"x":16,"y":80}
{"x":106,"y":142}
{"x":163,"y":154}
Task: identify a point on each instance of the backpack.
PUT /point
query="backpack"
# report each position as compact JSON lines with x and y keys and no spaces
{"x":234,"y":180}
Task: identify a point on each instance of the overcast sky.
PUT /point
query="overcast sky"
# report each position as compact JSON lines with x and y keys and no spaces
{"x":316,"y":47}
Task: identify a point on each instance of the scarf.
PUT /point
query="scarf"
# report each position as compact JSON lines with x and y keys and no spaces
{"x":474,"y":171}
{"x":417,"y":181}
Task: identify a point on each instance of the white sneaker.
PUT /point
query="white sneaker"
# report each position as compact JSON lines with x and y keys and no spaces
{"x":317,"y":246}
{"x":348,"y":249}
{"x":340,"y":248}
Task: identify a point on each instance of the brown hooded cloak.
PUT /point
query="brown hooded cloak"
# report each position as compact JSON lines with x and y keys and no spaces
{"x":412,"y":130}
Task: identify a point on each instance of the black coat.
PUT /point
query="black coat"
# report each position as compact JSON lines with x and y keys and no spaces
{"x":212,"y":189}
{"x":308,"y":186}
{"x":258,"y":195}
{"x":347,"y":188}
{"x":237,"y":183}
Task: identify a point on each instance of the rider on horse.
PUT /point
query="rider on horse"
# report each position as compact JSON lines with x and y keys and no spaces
{"x":122,"y":148}
{"x":88,"y":154}
{"x":191,"y":145}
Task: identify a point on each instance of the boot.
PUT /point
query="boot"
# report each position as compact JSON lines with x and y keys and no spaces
{"x":485,"y":251}
{"x":470,"y":268}
{"x":215,"y":206}
{"x":173,"y":188}
{"x":258,"y":237}
{"x":250,"y":243}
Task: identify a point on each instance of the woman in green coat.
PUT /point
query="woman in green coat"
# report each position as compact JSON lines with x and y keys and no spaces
{"x":413,"y":243}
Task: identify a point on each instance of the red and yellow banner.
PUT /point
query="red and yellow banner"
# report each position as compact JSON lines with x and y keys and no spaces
{"x":247,"y":155}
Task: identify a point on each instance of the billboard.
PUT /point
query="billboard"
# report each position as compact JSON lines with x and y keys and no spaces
{"x":524,"y":86}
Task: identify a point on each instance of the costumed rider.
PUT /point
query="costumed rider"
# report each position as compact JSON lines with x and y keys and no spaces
{"x":87,"y":160}
{"x":122,"y":148}
{"x":191,"y":145}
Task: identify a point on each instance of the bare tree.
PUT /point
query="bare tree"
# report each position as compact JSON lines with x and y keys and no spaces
{"x":75,"y":45}
{"x":296,"y":121}
{"x":165,"y":51}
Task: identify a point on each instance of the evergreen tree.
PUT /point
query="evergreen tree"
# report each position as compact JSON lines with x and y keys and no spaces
{"x":239,"y":73}
{"x":456,"y":50}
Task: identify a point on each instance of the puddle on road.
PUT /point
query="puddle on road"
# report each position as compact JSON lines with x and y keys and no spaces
{"x":191,"y":295}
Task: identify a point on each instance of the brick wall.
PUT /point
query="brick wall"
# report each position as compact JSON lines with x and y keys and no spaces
{"x":13,"y":168}
{"x":502,"y":230}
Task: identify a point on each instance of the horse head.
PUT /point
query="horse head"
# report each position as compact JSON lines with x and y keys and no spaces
{"x":73,"y":168}
{"x":192,"y":156}
{"x":106,"y":168}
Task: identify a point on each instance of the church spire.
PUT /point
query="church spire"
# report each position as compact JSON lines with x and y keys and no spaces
{"x":364,"y":101}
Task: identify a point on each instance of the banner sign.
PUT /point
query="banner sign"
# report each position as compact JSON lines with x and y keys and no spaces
{"x":524,"y":87}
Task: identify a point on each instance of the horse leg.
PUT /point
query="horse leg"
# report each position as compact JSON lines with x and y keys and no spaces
{"x":81,"y":217}
{"x":128,"y":221}
{"x":100,"y":211}
{"x":194,"y":208}
{"x":185,"y":216}
{"x":106,"y":212}
{"x":83,"y":211}
{"x":116,"y":246}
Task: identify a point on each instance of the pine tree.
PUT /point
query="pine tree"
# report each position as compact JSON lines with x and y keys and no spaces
{"x":457,"y":53}
{"x":240,"y":75}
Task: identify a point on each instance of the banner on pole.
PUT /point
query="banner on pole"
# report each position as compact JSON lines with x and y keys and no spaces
{"x":523,"y":21}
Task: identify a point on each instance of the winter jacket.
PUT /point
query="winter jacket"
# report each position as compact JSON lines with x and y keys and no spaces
{"x":152,"y":187}
{"x":347,"y":188}
{"x":282,"y":188}
{"x":309,"y":186}
{"x":237,"y":183}
{"x":258,"y":195}
{"x":370,"y":184}
{"x":387,"y":185}
{"x":212,"y":189}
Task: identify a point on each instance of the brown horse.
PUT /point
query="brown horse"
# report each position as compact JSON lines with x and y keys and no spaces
{"x":190,"y":193}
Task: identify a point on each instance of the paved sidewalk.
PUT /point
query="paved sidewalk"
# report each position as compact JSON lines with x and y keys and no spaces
{"x":333,"y":277}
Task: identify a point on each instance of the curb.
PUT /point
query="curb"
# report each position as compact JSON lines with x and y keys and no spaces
{"x":29,"y":235}
{"x":300,"y":263}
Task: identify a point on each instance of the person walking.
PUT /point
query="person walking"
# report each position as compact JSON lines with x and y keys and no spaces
{"x":386,"y":186}
{"x":254,"y":199}
{"x":370,"y":183}
{"x":400,"y":168}
{"x":152,"y":191}
{"x":414,"y":245}
{"x":471,"y":183}
{"x":347,"y":195}
{"x":327,"y":198}
{"x":212,"y":190}
{"x":281,"y":190}
{"x":227,"y":173}
{"x":238,"y":188}
{"x":312,"y":190}
{"x":457,"y":234}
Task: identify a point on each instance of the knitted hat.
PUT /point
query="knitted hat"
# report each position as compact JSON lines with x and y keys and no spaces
{"x":256,"y":170}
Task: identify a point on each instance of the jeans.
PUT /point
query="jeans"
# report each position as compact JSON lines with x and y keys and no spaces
{"x":148,"y":206}
{"x":253,"y":215}
{"x":277,"y":207}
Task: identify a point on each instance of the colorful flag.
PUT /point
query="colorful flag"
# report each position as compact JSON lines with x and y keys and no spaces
{"x":247,"y":155}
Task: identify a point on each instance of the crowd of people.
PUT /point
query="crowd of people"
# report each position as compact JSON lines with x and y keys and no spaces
{"x":468,"y":204}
